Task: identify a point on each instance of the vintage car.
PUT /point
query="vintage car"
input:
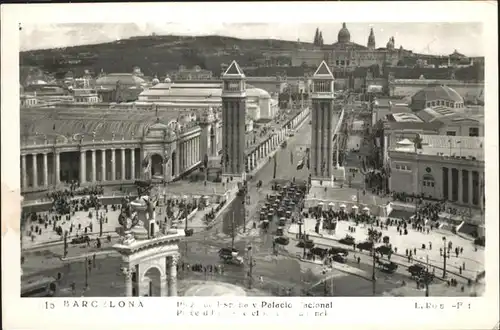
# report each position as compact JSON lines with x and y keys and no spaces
{"x":282,"y":240}
{"x":339,"y":258}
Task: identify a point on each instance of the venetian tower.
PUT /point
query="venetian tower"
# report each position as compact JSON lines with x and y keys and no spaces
{"x":233,"y":121}
{"x":324,"y":121}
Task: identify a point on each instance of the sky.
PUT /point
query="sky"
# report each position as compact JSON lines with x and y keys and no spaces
{"x":428,"y":38}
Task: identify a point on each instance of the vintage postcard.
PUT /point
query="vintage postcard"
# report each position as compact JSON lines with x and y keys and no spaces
{"x":250,"y":163}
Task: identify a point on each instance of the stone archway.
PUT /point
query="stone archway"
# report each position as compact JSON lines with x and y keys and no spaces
{"x":151,"y":282}
{"x":156,"y":165}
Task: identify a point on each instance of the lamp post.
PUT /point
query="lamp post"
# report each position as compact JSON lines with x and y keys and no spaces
{"x":251,"y":264}
{"x":300,"y":223}
{"x":444,"y":256}
{"x":86,"y":273}
{"x":427,"y":276}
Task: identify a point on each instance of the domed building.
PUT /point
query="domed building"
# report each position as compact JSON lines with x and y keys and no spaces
{"x":200,"y":95}
{"x":345,"y":55}
{"x":344,"y":35}
{"x":436,"y":95}
{"x":120,"y":87}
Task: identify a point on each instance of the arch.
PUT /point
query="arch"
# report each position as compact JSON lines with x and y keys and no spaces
{"x":151,"y":280}
{"x":156,"y":165}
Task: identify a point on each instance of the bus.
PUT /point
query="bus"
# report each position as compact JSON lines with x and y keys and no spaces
{"x":42,"y":286}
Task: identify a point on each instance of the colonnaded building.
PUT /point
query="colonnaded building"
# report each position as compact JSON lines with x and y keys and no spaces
{"x":433,"y":145}
{"x":116,"y":144}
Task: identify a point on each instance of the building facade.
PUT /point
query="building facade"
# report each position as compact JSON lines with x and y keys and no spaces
{"x":447,"y":168}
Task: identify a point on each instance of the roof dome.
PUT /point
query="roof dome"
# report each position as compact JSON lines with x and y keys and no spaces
{"x":390,"y":43}
{"x":127,"y":79}
{"x":344,"y":36}
{"x":434,"y":93}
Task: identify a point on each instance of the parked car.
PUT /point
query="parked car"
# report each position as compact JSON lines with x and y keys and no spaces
{"x":367,"y":245}
{"x":420,"y":271}
{"x":347,"y":240}
{"x":339,"y":258}
{"x":282,"y":240}
{"x":80,"y":239}
{"x":387,"y":266}
{"x":188,"y":232}
{"x":309,"y":244}
{"x":384,"y":249}
{"x":338,"y":250}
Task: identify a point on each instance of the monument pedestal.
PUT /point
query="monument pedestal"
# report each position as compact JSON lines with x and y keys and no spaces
{"x":339,"y":173}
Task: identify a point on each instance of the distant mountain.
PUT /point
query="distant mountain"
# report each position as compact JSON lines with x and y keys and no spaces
{"x":158,"y":54}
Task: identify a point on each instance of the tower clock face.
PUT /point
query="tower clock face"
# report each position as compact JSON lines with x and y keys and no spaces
{"x":428,"y":170}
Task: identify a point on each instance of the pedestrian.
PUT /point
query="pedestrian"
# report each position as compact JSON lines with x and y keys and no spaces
{"x":460,"y":269}
{"x":359,"y":260}
{"x":414,"y":250}
{"x":463,"y":265}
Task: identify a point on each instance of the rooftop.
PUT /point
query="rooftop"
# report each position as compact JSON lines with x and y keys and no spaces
{"x":72,"y":123}
{"x":404,"y":117}
{"x":447,"y":115}
{"x":452,"y":146}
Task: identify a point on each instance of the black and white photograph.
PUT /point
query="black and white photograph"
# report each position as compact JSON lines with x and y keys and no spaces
{"x":249,"y":160}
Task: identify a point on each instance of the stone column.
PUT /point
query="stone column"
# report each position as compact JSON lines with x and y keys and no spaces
{"x":163,"y":286}
{"x":178,"y":156}
{"x":450,"y":186}
{"x":132,"y":163}
{"x":83,"y":166}
{"x":103,"y":165}
{"x":460,"y":187}
{"x":123,"y":164}
{"x":470,"y":188}
{"x":57,"y":163}
{"x":35,"y":171}
{"x":172,"y":273}
{"x":94,"y":169}
{"x":249,"y":162}
{"x":113,"y":164}
{"x":45,"y":170}
{"x":23,"y":175}
{"x":185,"y":158}
{"x":128,"y":282}
{"x":254,"y":157}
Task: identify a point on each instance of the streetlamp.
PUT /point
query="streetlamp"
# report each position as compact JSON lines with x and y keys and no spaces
{"x":86,"y":273}
{"x":444,"y":256}
{"x":427,"y":276}
{"x":251,"y":264}
{"x":300,"y":223}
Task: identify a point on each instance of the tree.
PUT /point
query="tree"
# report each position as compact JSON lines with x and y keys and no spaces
{"x":320,"y":39}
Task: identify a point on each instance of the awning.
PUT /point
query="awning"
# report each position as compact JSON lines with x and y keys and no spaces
{"x":366,"y":208}
{"x":355,"y":207}
{"x":320,"y":203}
{"x":343,"y":206}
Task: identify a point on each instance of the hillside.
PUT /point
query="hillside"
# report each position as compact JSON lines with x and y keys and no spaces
{"x":157,"y":54}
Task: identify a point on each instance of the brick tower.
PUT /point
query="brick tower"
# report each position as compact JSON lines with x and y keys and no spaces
{"x":324,"y":121}
{"x":233,"y":121}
